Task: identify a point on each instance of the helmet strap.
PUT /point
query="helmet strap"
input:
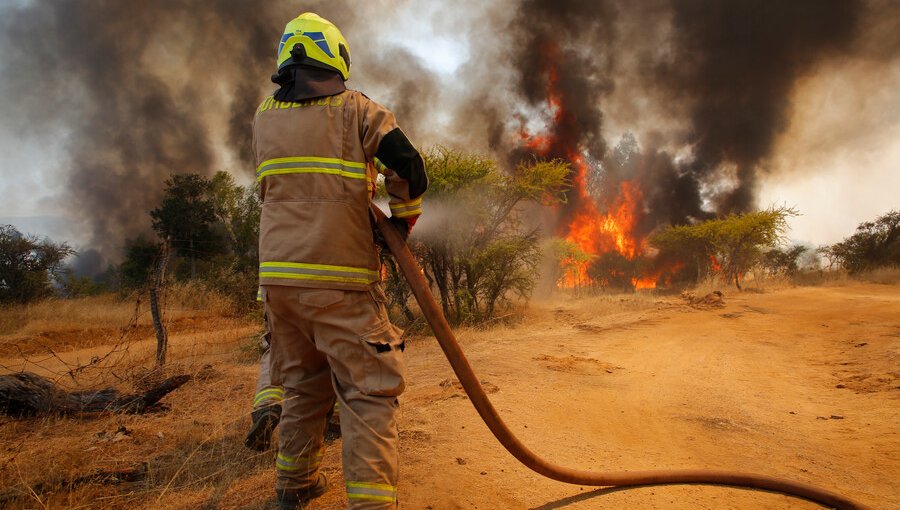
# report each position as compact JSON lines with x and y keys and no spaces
{"x":299,"y":82}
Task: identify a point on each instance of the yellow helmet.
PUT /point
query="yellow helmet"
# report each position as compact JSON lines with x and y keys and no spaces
{"x":312,"y":40}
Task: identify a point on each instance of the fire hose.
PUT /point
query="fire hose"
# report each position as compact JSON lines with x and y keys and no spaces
{"x":463,"y":370}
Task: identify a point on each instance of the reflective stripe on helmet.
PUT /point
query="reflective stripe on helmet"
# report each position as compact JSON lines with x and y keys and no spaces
{"x":322,"y":42}
{"x":371,"y":491}
{"x":311,"y":165}
{"x":317,"y":272}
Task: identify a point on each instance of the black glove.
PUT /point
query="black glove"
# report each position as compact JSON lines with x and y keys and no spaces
{"x":402,"y":226}
{"x":403,"y":229}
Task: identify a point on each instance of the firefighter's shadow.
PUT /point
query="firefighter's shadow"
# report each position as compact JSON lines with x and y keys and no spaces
{"x":584,"y":496}
{"x":596,"y":493}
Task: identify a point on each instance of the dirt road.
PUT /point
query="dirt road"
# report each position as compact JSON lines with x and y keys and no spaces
{"x":800,"y":383}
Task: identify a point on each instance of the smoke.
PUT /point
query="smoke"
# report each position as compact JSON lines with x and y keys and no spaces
{"x":707,"y":81}
{"x":737,"y":64}
{"x":139,"y":90}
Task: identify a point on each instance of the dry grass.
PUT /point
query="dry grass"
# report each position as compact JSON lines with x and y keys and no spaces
{"x":882,"y":275}
{"x":50,"y":315}
{"x":193,"y":452}
{"x":110,"y":310}
{"x":52,"y":327}
{"x":711,"y":284}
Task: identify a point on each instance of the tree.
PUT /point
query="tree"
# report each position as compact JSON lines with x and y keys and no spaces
{"x":612,"y":269}
{"x":186,"y":218}
{"x":777,"y":261}
{"x":28,"y":265}
{"x":735,"y":243}
{"x":471,"y":244}
{"x":875,"y":244}
{"x":141,"y":256}
{"x":73,"y":286}
{"x":741,"y":239}
{"x":569,"y":261}
{"x":691,"y":244}
{"x":237,"y":209}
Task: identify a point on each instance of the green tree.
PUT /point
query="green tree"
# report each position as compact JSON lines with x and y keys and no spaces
{"x":737,"y":242}
{"x":72,"y":286}
{"x":692,"y":244}
{"x":785,"y":262}
{"x":29,"y":266}
{"x":875,"y":244}
{"x":568,"y":262}
{"x":614,"y":270}
{"x":237,"y":209}
{"x":141,"y":257}
{"x":187,"y":218}
{"x":472,"y":245}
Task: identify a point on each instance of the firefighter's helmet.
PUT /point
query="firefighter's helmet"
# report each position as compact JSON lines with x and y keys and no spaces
{"x":312,"y":40}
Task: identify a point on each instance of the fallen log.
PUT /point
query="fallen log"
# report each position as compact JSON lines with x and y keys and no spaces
{"x":114,"y":476}
{"x":26,"y":394}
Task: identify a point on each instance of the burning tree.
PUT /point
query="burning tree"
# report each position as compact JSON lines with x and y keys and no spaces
{"x":729,"y":246}
{"x":472,"y":244}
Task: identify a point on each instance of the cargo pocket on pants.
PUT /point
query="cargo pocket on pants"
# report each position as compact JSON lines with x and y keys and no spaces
{"x":384,"y":370}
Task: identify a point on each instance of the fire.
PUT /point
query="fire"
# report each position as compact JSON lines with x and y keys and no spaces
{"x":585,"y":226}
{"x":595,"y":233}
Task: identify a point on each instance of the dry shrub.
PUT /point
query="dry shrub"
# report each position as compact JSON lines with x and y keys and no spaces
{"x":194,"y":295}
{"x":194,"y":454}
{"x":50,"y":315}
{"x":180,"y":299}
{"x":629,"y":301}
{"x":882,"y":275}
{"x":709,"y":285}
{"x":820,"y":277}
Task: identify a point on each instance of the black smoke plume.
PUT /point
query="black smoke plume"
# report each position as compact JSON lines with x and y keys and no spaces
{"x":141,"y":90}
{"x":737,"y":63}
{"x":724,"y":70}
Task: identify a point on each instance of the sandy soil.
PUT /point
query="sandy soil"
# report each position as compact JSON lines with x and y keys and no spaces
{"x":802,"y":383}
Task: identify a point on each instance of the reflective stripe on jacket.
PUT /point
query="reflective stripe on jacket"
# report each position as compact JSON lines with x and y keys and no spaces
{"x":316,"y":164}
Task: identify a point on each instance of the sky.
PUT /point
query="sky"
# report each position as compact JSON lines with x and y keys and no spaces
{"x":837,"y":161}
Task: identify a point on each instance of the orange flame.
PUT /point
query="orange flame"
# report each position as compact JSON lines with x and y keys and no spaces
{"x":593,"y":232}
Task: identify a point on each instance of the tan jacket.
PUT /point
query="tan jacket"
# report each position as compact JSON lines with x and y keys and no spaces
{"x":317,"y":166}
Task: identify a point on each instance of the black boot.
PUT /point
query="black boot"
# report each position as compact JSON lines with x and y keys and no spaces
{"x":265,"y":419}
{"x":292,"y":499}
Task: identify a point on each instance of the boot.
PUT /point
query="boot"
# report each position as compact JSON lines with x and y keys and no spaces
{"x":265,"y":419}
{"x":294,"y":499}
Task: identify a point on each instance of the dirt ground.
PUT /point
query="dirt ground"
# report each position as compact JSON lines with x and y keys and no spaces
{"x":801,"y":383}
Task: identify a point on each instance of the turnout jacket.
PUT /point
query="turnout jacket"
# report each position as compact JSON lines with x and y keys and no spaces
{"x":317,"y":162}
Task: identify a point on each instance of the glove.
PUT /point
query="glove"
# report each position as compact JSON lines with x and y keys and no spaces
{"x":403,"y":227}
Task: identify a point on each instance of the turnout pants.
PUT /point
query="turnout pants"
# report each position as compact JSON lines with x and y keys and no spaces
{"x":266,"y":394}
{"x":328,"y":343}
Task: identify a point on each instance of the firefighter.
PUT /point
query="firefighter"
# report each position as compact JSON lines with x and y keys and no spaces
{"x":319,"y":148}
{"x":266,"y":401}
